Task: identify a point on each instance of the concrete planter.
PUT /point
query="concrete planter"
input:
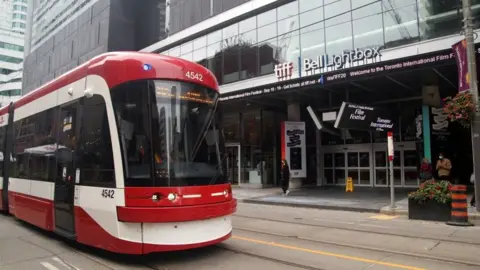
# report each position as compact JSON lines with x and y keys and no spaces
{"x":429,"y":210}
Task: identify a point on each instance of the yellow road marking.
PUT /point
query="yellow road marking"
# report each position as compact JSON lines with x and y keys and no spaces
{"x":383,"y":217}
{"x":318,"y":252}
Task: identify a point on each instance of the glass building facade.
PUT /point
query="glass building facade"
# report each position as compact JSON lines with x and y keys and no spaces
{"x":308,"y":28}
{"x":251,"y":45}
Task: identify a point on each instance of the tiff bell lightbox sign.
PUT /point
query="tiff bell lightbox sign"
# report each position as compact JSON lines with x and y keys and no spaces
{"x":339,"y":61}
{"x":294,"y":149}
{"x":360,"y":117}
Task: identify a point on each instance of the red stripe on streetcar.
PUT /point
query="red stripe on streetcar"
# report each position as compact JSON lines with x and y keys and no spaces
{"x":176,"y":214}
{"x":185,"y":196}
{"x":34,"y":210}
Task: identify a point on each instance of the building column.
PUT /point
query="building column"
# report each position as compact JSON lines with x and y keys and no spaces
{"x":293,"y":113}
{"x":319,"y":158}
{"x":427,"y":152}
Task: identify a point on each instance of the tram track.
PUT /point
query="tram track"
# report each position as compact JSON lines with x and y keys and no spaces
{"x":373,"y":249}
{"x":443,"y":239}
{"x":266,"y":258}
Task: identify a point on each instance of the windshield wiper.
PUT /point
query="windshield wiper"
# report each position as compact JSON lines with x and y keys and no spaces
{"x":217,"y":172}
{"x":198,"y":143}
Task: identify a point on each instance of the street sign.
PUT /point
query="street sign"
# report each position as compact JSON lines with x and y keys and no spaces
{"x":361,"y":117}
{"x":391,"y":152}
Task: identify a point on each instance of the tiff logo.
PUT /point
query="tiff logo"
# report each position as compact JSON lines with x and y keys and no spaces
{"x":294,"y":137}
{"x":284,"y":70}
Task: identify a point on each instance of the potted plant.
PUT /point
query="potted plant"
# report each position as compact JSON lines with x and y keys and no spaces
{"x":460,"y":108}
{"x":431,"y":201}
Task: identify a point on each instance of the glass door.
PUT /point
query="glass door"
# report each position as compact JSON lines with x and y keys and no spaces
{"x":404,"y":165}
{"x":233,"y":163}
{"x":358,"y":167}
{"x":381,"y":176}
{"x":410,"y":171}
{"x":340,"y":177}
{"x":334,"y":168}
{"x":382,"y":168}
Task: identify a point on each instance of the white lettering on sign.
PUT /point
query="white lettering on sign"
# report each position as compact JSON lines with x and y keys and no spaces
{"x":382,"y":124}
{"x":284,"y":70}
{"x":359,"y":114}
{"x":194,"y":76}
{"x":339,"y":61}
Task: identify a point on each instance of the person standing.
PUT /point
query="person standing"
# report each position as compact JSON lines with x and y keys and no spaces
{"x":426,"y":170}
{"x":285,"y":177}
{"x":444,"y":167}
{"x":472,"y":180}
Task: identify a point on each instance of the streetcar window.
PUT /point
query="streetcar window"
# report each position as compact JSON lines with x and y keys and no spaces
{"x":33,"y":153}
{"x":95,"y":156}
{"x":168,"y":134}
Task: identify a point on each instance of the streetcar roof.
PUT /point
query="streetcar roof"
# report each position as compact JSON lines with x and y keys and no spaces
{"x":119,"y":67}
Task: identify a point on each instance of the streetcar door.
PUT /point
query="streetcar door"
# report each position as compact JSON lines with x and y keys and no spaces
{"x":67,"y":137}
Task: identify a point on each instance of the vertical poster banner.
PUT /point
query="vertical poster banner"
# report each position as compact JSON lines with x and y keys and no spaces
{"x":294,"y":148}
{"x":460,"y":53}
{"x":440,"y":135}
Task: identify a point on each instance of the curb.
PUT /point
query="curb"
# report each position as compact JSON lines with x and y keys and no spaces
{"x":384,"y":210}
{"x":394,"y":212}
{"x":312,"y":206}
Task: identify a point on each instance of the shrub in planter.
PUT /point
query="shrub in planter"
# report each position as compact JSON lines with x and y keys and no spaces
{"x":431,"y":201}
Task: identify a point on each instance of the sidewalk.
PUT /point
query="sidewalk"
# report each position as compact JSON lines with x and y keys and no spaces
{"x":373,"y":200}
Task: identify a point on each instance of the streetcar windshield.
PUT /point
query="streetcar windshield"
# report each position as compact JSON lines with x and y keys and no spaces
{"x":169,"y":134}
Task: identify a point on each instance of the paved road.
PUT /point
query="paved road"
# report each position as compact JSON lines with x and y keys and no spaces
{"x":269,"y":237}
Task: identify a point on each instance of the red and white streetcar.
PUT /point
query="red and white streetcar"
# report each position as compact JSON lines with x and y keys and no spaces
{"x":122,"y":153}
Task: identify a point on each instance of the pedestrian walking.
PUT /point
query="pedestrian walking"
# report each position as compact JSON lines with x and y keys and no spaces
{"x":285,"y":177}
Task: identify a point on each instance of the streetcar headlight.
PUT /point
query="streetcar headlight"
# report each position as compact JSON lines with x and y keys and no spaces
{"x":225,"y":193}
{"x":147,"y":67}
{"x":171,"y":196}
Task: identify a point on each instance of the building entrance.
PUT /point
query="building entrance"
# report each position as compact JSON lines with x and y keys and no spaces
{"x":367,"y":164}
{"x":342,"y":161}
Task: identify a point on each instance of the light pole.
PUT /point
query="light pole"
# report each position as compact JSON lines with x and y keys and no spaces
{"x":472,"y":72}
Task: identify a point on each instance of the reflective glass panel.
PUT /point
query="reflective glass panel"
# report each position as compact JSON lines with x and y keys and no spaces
{"x":313,"y":41}
{"x":309,"y":4}
{"x":400,"y":26}
{"x":267,"y":32}
{"x":267,"y":17}
{"x":288,"y":10}
{"x":439,"y":18}
{"x":247,"y":24}
{"x":339,"y":38}
{"x":368,"y":32}
{"x":311,"y":17}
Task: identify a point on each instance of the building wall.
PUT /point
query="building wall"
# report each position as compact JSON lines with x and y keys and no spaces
{"x":50,"y":16}
{"x":108,"y":25}
{"x":185,"y":13}
{"x":12,"y":30}
{"x":242,"y":45}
